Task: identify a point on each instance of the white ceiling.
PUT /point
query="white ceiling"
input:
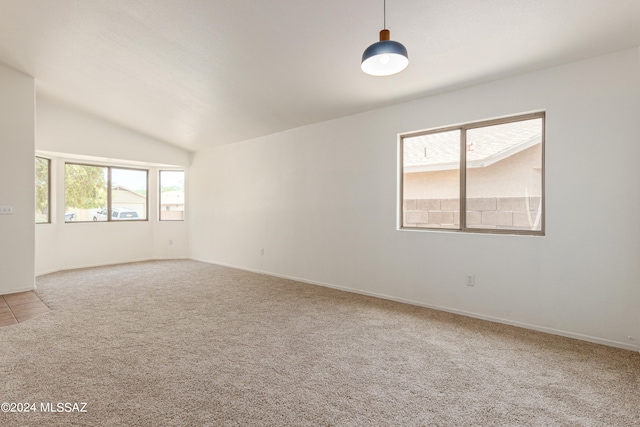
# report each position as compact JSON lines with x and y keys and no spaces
{"x":200,"y":73}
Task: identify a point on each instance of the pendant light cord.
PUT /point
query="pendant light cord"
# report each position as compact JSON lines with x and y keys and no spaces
{"x":384,"y":14}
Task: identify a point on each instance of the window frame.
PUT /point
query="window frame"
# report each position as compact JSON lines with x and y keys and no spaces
{"x":48,"y":221}
{"x":109,"y":206}
{"x":463,"y":128}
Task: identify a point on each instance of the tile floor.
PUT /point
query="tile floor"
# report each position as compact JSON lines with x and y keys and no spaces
{"x":16,"y":308}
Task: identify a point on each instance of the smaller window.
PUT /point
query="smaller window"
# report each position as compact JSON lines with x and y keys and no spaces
{"x":128,"y":194}
{"x":43,"y":190}
{"x":171,"y":196}
{"x":477,"y":177}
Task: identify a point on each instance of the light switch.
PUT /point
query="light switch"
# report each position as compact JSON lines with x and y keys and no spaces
{"x":6,"y":210}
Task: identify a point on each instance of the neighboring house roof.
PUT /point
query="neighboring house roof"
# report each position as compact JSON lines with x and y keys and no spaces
{"x":121,"y":188}
{"x":172,"y":198}
{"x":485,"y":146}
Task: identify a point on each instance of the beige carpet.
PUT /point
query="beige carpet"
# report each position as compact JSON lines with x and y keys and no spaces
{"x":171,"y":343}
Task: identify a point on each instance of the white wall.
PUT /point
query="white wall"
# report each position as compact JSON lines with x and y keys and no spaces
{"x":17,"y":109}
{"x":63,"y":133}
{"x":322,"y":202}
{"x":63,"y":129}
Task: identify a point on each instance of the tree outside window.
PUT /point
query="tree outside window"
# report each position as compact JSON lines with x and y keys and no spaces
{"x":43,"y":194}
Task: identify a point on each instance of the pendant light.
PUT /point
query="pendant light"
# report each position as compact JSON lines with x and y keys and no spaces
{"x":385,"y":57}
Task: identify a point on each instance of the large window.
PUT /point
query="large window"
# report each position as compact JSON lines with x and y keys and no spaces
{"x":43,"y":190}
{"x":102,"y":193}
{"x":482,"y":177}
{"x":171,"y":196}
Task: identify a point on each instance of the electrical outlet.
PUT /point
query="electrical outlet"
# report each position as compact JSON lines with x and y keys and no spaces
{"x":170,"y":242}
{"x":471,"y":279}
{"x":262,"y":251}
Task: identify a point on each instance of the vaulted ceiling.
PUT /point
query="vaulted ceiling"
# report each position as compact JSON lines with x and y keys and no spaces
{"x":200,"y":73}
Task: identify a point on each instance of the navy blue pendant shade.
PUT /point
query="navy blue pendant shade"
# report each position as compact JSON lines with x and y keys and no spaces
{"x":385,"y":57}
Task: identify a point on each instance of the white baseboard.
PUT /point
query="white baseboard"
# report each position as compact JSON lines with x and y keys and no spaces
{"x":552,"y":331}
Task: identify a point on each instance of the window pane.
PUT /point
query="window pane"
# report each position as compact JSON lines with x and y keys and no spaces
{"x":431,"y":180}
{"x":128,"y":194}
{"x":171,"y":195}
{"x":42,"y":190}
{"x":85,"y":192}
{"x":504,"y":176}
